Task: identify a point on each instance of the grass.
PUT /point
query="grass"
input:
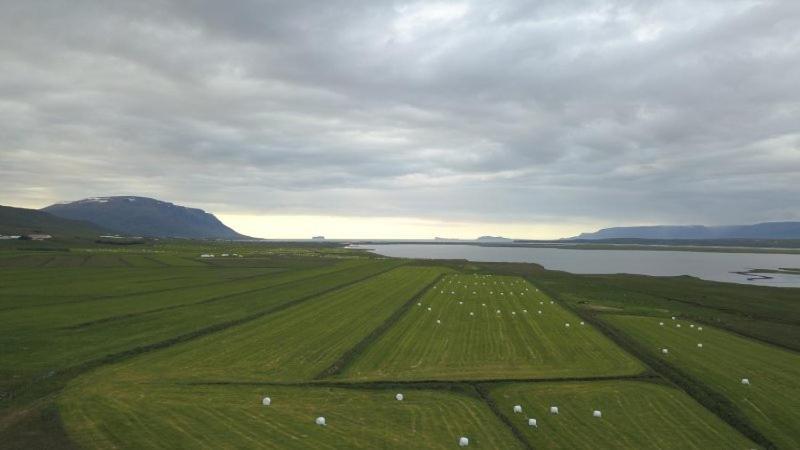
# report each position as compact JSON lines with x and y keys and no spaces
{"x":159,"y":296}
{"x":54,"y":286}
{"x":510,"y":344}
{"x":282,"y":346}
{"x":635,"y":415}
{"x":36,"y":344}
{"x":770,"y":402}
{"x":100,"y":414}
{"x":764,"y":313}
{"x":151,"y":346}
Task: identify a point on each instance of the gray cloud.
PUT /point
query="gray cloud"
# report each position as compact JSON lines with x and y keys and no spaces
{"x":597,"y":111}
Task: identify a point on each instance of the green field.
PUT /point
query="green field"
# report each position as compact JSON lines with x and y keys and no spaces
{"x":41,"y":342}
{"x":514,"y":332}
{"x":121,"y":416}
{"x":764,"y":313}
{"x":294,"y":344}
{"x":770,"y":401}
{"x":151,"y":346}
{"x":634,"y":414}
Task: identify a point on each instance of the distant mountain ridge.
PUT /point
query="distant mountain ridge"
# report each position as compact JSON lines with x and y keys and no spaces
{"x":766,"y":230}
{"x":479,"y":239}
{"x":148,"y":217}
{"x":23,"y":221}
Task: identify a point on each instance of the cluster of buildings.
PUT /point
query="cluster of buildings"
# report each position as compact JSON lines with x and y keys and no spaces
{"x":27,"y":237}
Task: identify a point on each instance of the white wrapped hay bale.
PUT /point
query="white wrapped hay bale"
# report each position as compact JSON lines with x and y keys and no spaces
{"x":532,"y":423}
{"x":320,"y":421}
{"x":517,"y":409}
{"x":399,"y":397}
{"x":664,"y":351}
{"x":597,"y":413}
{"x":746,"y":381}
{"x":463,"y":441}
{"x":554,"y":410}
{"x":266,"y":401}
{"x":699,"y":345}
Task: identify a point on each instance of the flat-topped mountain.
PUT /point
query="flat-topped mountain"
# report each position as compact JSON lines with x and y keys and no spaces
{"x":494,"y":239}
{"x":142,"y":216}
{"x":767,"y":230}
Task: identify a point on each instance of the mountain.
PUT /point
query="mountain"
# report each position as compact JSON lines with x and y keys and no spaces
{"x":20,"y":221}
{"x":493,"y":239}
{"x":142,"y":216}
{"x":767,"y":230}
{"x":483,"y":239}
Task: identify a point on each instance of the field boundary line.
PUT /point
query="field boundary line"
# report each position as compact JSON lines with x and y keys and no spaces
{"x":492,"y":405}
{"x":160,"y":263}
{"x":125,"y":262}
{"x":119,"y":317}
{"x":46,"y":262}
{"x":708,"y":398}
{"x":351,"y":354}
{"x":424,"y":384}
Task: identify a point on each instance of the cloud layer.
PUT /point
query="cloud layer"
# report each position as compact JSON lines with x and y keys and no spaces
{"x":606,"y":112}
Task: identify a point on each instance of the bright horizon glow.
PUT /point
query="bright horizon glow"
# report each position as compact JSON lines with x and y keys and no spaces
{"x":341,"y":227}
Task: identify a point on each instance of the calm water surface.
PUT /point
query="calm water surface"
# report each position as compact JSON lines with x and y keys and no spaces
{"x":706,"y":265}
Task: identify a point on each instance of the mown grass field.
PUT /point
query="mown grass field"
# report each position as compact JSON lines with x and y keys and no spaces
{"x":634,"y":415}
{"x":770,"y":401}
{"x":103,"y":415}
{"x":764,"y":313}
{"x":38,"y":347}
{"x":153,"y":347}
{"x":478,"y":327}
{"x":293,"y":344}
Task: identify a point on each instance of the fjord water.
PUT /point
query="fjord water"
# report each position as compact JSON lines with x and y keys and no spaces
{"x":716,"y":266}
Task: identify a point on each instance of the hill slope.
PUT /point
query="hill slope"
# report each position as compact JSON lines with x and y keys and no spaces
{"x":142,"y":216}
{"x":19,"y":221}
{"x":768,"y":230}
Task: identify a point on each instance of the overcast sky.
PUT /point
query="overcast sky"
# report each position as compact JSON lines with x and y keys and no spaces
{"x":397,"y":119}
